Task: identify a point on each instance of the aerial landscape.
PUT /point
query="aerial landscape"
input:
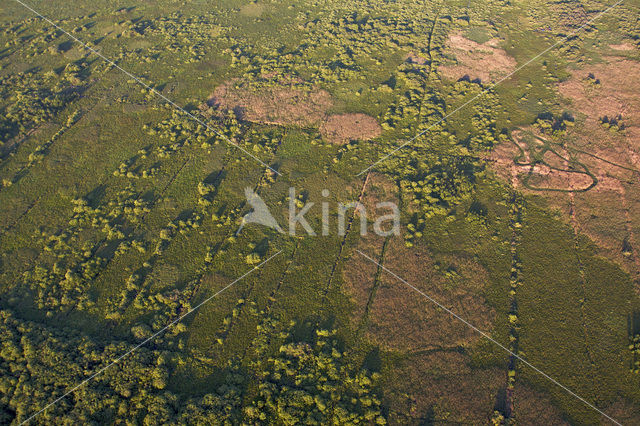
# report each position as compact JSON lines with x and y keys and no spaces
{"x":320,"y":212}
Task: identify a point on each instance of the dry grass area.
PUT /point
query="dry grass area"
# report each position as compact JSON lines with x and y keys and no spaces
{"x":484,"y":61}
{"x":402,"y":319}
{"x":360,"y":273}
{"x":533,"y":408}
{"x":443,"y":389}
{"x":448,"y":390}
{"x":273,"y":105}
{"x":607,"y":212}
{"x":625,"y":412}
{"x":616,"y":94}
{"x":553,"y":173}
{"x":342,"y":128}
{"x":292,"y":104}
{"x":604,"y":212}
{"x":622,"y":46}
{"x":435,"y":382}
{"x":395,"y":316}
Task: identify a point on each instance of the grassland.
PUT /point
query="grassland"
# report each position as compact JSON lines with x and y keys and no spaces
{"x":120,"y":213}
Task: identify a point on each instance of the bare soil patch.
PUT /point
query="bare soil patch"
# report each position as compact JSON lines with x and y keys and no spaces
{"x":553,"y":173}
{"x":616,"y":92}
{"x":599,"y":212}
{"x":484,"y":61}
{"x":360,"y":273}
{"x":607,"y":212}
{"x":342,"y":128}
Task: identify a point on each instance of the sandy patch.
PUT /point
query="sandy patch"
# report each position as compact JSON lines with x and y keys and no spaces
{"x":484,"y":61}
{"x":342,"y":128}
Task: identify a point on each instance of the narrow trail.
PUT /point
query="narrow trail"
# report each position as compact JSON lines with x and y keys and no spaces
{"x":374,"y":289}
{"x":583,"y":279}
{"x":10,"y":148}
{"x":274,"y":293}
{"x":427,"y":78}
{"x":141,"y":221}
{"x":272,"y":297}
{"x":46,"y":146}
{"x":364,"y":320}
{"x":22,"y":172}
{"x":99,"y":245}
{"x":430,"y":41}
{"x":125,"y":303}
{"x":575,"y":226}
{"x":344,"y":238}
{"x":26,"y":167}
{"x":145,"y":271}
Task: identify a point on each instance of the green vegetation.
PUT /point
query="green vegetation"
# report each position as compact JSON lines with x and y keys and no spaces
{"x":301,"y":382}
{"x":120,"y":213}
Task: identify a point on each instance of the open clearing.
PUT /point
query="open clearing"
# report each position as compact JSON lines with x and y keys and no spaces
{"x":483,"y":61}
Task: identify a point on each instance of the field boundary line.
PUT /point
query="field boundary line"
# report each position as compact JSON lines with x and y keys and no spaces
{"x":491,"y":87}
{"x":491,"y":339}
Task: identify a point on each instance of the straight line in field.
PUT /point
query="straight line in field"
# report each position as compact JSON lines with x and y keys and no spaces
{"x":146,"y":86}
{"x":491,"y":339}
